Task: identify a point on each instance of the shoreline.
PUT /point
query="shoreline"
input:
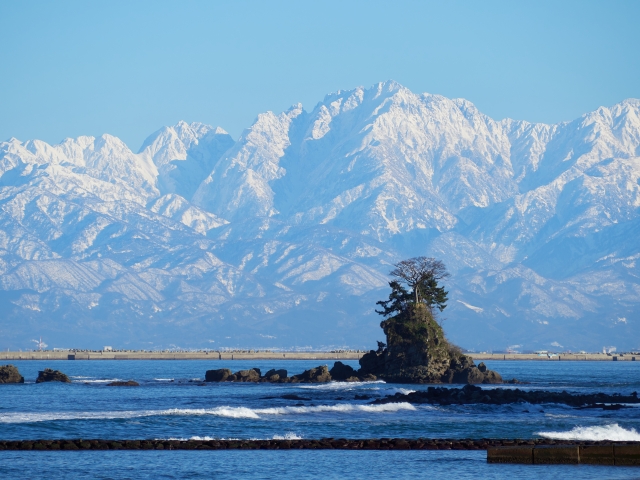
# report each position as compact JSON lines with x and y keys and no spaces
{"x":215,"y":355}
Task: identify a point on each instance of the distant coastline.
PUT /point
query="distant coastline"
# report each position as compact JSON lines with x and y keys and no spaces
{"x":273,"y":355}
{"x":180,"y":355}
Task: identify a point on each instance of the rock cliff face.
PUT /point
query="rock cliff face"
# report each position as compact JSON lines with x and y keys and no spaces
{"x":10,"y":374}
{"x":418,"y":352}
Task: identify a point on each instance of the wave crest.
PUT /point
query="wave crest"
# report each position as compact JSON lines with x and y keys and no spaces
{"x":227,"y":411}
{"x":612,"y":432}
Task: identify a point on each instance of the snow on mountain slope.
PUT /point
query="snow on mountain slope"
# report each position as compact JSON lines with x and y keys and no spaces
{"x":185,"y":154}
{"x":285,"y":236}
{"x":238,"y":186}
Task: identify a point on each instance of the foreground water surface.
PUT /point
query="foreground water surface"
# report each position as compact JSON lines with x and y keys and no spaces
{"x":172,"y":403}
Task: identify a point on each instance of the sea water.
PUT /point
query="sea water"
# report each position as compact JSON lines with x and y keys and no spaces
{"x":172,"y":403}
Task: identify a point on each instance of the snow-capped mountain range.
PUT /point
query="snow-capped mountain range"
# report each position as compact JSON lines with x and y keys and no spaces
{"x":285,"y":237}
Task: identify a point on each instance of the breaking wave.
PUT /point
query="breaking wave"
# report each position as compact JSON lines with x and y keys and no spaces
{"x":612,"y":432}
{"x":83,"y":379}
{"x":227,"y":412}
{"x":341,"y":408}
{"x":103,"y":380}
{"x":393,"y":391}
{"x":339,"y":385}
{"x":286,"y":436}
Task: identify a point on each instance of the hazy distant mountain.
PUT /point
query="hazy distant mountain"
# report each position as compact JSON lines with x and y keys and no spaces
{"x":285,"y":236}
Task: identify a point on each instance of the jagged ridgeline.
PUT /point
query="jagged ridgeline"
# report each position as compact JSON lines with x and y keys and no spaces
{"x":417,"y":350}
{"x":281,"y":237}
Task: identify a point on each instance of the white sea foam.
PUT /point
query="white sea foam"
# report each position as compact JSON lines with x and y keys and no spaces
{"x":163,"y":379}
{"x":231,"y":412}
{"x":393,"y":391}
{"x":559,"y":415}
{"x":340,"y":408}
{"x":287,"y":436}
{"x":339,"y":385}
{"x":613,"y":432}
{"x":103,"y":380}
{"x":84,"y":379}
{"x":228,"y":412}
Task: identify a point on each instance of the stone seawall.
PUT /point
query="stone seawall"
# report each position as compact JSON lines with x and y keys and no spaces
{"x":498,"y":450}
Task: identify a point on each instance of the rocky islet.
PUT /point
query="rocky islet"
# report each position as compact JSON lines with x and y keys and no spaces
{"x":10,"y":374}
{"x":319,"y":374}
{"x":50,"y":375}
{"x":416,"y":352}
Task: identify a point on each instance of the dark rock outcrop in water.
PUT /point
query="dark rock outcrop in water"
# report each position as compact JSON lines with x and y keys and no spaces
{"x":499,"y":396}
{"x":275,"y":375}
{"x":49,"y":375}
{"x":10,"y":374}
{"x":342,"y":372}
{"x":418,"y":352}
{"x":220,"y":375}
{"x":130,"y":383}
{"x":314,"y":375}
{"x":252,"y":375}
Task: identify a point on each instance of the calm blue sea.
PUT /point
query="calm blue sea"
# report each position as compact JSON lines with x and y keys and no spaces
{"x":170,"y":403}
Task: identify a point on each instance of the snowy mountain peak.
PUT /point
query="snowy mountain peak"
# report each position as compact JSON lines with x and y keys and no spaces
{"x":290,"y":231}
{"x":173,"y":143}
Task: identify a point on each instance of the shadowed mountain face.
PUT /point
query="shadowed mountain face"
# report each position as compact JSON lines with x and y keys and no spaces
{"x":285,"y":236}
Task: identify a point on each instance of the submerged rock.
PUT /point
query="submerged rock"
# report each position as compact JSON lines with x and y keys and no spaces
{"x":10,"y":374}
{"x":470,"y":394}
{"x":295,"y":397}
{"x":129,"y":383}
{"x":49,"y":375}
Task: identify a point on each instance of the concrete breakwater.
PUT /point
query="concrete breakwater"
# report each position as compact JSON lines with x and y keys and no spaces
{"x":492,"y":444}
{"x":208,"y":355}
{"x":595,"y":454}
{"x":569,"y":357}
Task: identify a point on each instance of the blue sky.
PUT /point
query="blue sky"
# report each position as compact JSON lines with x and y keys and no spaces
{"x":127,"y":68}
